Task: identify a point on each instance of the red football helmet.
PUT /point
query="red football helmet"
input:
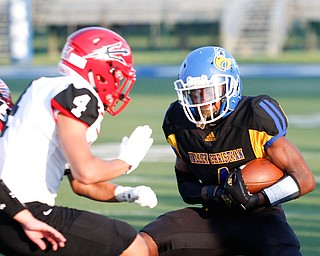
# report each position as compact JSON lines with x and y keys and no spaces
{"x":5,"y":103}
{"x":104,"y":59}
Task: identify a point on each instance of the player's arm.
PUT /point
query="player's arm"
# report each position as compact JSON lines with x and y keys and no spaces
{"x":188,"y":185}
{"x":88,"y":169}
{"x":288,"y":158}
{"x":190,"y":188}
{"x":108,"y":192}
{"x":35,"y":229}
{"x":298,"y":179}
{"x":101,"y":191}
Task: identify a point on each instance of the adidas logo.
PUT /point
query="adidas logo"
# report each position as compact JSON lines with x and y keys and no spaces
{"x":210,"y":137}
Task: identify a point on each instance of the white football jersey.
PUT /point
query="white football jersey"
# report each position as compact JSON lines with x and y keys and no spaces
{"x":32,"y":162}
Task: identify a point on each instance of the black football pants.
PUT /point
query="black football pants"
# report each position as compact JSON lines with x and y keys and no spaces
{"x":87,"y":233}
{"x":197,"y":231}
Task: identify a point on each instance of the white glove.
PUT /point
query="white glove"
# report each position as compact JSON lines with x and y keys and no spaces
{"x":141,"y":195}
{"x":134,"y":148}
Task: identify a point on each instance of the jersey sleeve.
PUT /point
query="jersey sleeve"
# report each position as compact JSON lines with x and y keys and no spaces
{"x":8,"y":202}
{"x":166,"y":124}
{"x":269,"y":117}
{"x":172,"y":122}
{"x":77,"y":103}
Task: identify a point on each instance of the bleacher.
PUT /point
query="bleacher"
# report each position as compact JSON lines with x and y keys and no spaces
{"x":305,"y":10}
{"x":238,"y":20}
{"x":82,"y":12}
{"x":4,"y":42}
{"x":246,"y":27}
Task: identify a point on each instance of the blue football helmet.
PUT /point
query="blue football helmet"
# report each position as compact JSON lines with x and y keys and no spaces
{"x":209,"y":77}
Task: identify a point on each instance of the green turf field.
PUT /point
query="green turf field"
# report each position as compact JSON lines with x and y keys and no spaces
{"x":299,"y":98}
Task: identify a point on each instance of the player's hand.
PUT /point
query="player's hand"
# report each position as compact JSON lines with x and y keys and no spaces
{"x":141,"y":195}
{"x":37,"y":230}
{"x":134,"y":148}
{"x":222,"y":199}
{"x":239,"y":193}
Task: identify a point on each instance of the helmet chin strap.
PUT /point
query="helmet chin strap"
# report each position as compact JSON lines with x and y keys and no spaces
{"x":91,"y":80}
{"x":202,"y":123}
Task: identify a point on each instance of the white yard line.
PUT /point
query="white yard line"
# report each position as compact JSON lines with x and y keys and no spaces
{"x":305,"y":121}
{"x":157,"y":153}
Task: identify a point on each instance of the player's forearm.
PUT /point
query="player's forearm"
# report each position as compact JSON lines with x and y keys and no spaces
{"x":23,"y":217}
{"x":98,"y":170}
{"x":102,"y":191}
{"x":190,"y":192}
{"x":286,"y":156}
{"x":189,"y":187}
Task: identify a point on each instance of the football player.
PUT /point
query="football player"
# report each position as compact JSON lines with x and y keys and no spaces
{"x":214,"y":130}
{"x":48,"y":135}
{"x":35,"y":229}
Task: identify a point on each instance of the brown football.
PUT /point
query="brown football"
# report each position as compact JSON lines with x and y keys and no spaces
{"x":259,"y":174}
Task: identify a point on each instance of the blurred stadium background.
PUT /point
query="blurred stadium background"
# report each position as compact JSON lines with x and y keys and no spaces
{"x":246,"y":28}
{"x":276,"y":43}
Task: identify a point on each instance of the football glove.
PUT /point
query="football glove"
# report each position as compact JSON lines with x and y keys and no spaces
{"x":221,"y":198}
{"x":236,"y":188}
{"x":134,"y":148}
{"x":141,"y":195}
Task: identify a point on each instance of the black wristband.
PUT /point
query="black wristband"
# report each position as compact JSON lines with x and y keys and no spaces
{"x":8,"y":202}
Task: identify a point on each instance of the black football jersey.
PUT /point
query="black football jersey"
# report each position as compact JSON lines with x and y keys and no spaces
{"x":211,"y":153}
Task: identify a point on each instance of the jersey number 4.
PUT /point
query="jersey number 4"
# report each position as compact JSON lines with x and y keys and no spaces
{"x":81,"y":103}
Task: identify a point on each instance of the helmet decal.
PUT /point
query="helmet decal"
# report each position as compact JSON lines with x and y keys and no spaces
{"x":112,"y":52}
{"x":222,"y":62}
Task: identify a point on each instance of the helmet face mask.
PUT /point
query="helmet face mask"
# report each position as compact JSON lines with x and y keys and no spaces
{"x":116,"y":98}
{"x":209,"y":87}
{"x":104,"y":59}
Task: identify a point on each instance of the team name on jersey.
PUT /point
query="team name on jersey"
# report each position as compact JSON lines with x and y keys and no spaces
{"x":217,"y":158}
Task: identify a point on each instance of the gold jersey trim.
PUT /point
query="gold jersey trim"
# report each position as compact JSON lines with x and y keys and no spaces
{"x":258,"y":140}
{"x":173,"y":142}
